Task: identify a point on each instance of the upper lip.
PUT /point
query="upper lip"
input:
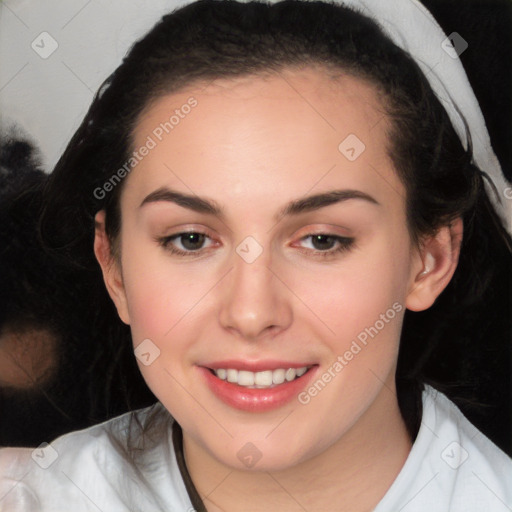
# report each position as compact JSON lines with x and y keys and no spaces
{"x":255,"y":366}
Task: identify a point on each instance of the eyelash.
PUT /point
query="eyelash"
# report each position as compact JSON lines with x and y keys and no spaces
{"x":345,"y":244}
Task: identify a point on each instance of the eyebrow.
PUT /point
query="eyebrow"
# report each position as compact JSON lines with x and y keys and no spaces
{"x":295,"y":207}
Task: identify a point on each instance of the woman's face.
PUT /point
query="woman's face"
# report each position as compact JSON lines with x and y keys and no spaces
{"x":300,"y":258}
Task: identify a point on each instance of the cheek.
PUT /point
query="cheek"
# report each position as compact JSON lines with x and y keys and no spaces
{"x":152,"y":308}
{"x":162,"y":304}
{"x":361,"y":309}
{"x":159,"y":294}
{"x":348,"y":297}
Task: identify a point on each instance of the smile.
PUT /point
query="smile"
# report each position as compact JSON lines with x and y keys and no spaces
{"x":257,"y":391}
{"x":260,"y":380}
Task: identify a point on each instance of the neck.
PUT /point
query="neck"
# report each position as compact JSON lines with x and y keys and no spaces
{"x":354,"y":473}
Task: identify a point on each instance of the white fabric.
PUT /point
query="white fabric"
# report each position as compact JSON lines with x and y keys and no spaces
{"x":90,"y":472}
{"x":452,"y":466}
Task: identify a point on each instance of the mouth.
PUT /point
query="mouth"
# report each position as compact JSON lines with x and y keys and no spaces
{"x":271,"y":386}
{"x":265,"y":379}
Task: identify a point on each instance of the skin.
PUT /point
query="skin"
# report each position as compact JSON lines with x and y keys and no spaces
{"x":253,"y":144}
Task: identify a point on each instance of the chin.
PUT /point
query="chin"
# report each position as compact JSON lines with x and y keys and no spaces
{"x":262,"y":454}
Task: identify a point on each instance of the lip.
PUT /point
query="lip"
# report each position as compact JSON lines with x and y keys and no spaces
{"x":256,"y":400}
{"x":255,"y":366}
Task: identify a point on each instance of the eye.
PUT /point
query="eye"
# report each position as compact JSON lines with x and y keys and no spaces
{"x":326,"y":245}
{"x":188,"y":243}
{"x":192,"y":243}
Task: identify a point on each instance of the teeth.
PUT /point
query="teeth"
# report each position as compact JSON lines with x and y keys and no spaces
{"x":264,"y":379}
{"x":245,"y":378}
{"x":278,"y":376}
{"x":301,"y":371}
{"x":290,"y":374}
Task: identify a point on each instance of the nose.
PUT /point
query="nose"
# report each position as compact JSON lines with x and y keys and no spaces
{"x":255,"y":302}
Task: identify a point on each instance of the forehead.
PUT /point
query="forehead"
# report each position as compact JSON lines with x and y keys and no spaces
{"x":322,"y":99}
{"x":290,"y":129}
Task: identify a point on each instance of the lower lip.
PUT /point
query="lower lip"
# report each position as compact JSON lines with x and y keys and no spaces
{"x":256,"y":400}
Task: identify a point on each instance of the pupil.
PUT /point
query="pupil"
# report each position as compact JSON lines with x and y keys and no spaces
{"x":190,"y":239}
{"x":320,"y":239}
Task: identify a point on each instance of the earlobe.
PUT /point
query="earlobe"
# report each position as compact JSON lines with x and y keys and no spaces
{"x":110,"y":267}
{"x":437,"y":259}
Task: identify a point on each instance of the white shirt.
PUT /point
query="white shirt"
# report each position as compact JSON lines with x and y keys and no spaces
{"x":452,"y":467}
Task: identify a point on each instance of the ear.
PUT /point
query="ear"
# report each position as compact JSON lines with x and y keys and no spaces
{"x":434,"y":266}
{"x":110,"y":267}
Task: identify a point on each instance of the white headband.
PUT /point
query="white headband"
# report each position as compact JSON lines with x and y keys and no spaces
{"x":411,"y":27}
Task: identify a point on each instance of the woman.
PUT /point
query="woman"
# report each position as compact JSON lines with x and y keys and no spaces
{"x":271,"y":188}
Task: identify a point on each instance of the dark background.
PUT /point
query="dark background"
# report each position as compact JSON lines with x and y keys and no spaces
{"x":487,"y":27}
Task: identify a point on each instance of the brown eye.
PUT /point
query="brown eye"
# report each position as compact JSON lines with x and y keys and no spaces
{"x":192,"y":241}
{"x":189,"y":243}
{"x":323,"y":242}
{"x":325,"y":245}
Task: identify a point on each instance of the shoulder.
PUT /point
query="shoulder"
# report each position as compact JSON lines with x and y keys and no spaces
{"x":452,"y":466}
{"x":115,"y":464}
{"x":467,"y":443}
{"x":99,"y":442}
